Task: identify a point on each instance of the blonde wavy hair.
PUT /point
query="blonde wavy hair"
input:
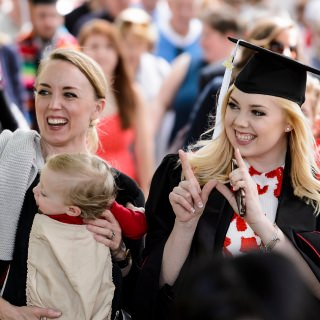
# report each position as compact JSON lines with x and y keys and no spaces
{"x":212,"y":158}
{"x":92,"y":71}
{"x":88,"y":182}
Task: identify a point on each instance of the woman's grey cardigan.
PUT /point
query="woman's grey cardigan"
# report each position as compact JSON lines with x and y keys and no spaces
{"x":20,"y":161}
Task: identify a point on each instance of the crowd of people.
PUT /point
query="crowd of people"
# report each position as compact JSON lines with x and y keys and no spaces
{"x":159,"y":160}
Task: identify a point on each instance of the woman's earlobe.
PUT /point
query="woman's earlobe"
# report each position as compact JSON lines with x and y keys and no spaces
{"x":288,"y":129}
{"x":101,"y":104}
{"x":98,"y":111}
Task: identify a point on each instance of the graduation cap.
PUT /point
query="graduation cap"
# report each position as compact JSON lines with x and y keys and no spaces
{"x":268,"y":73}
{"x":273,"y":74}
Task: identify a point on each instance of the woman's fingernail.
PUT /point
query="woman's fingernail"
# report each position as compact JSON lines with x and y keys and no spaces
{"x":200,"y":204}
{"x":192,"y":210}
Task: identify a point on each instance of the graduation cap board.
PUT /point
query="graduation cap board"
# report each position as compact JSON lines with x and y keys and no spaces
{"x":46,"y":2}
{"x":273,"y":74}
{"x":267,"y":73}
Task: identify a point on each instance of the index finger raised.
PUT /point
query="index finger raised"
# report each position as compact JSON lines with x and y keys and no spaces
{"x":189,"y":176}
{"x":186,"y":168}
{"x":240,"y":162}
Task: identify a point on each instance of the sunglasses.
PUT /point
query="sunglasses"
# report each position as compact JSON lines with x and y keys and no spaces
{"x":279,"y":47}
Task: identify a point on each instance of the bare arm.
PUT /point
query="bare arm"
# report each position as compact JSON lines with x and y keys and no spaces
{"x":176,"y":251}
{"x":188,"y":202}
{"x":185,"y":200}
{"x":169,"y":87}
{"x":266,"y":231}
{"x":144,"y":144}
{"x":261,"y":225}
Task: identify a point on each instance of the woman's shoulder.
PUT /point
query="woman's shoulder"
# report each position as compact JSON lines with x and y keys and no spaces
{"x":5,"y":136}
{"x":17,"y":137}
{"x":169,"y":171}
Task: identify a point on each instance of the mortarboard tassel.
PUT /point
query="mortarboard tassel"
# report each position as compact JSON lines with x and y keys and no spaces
{"x":223,"y":90}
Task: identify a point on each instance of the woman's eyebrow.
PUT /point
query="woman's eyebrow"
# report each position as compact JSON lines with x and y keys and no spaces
{"x":251,"y":105}
{"x":70,"y":88}
{"x":233,"y":100}
{"x":44,"y":85}
{"x":64,"y":88}
{"x":257,"y":106}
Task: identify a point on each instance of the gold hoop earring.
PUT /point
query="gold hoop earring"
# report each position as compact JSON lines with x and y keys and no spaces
{"x":93,"y":123}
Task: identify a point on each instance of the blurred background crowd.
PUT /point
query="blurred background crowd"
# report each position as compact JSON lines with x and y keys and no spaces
{"x":163,"y":60}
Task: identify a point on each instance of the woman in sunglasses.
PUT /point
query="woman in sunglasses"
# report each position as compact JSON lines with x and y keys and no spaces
{"x":276,"y":34}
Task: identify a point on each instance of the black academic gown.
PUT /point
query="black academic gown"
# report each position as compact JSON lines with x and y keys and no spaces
{"x":294,"y":217}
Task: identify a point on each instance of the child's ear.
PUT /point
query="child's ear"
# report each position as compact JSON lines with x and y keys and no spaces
{"x":73,"y":211}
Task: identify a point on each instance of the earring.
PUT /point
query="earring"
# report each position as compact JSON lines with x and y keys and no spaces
{"x":287,"y":129}
{"x":93,"y":123}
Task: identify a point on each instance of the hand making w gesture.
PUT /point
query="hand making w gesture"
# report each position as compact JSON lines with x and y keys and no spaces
{"x":240,"y":178}
{"x":188,"y":199}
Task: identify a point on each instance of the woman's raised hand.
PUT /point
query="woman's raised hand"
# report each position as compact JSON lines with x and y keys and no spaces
{"x":10,"y":312}
{"x":188,"y":199}
{"x":240,"y":178}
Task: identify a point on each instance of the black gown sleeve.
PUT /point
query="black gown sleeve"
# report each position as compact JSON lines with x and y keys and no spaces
{"x":300,"y":223}
{"x":160,"y":219}
{"x":129,"y":191}
{"x":308,"y":244}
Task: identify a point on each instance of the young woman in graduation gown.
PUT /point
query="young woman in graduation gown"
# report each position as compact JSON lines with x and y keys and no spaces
{"x":192,"y":210}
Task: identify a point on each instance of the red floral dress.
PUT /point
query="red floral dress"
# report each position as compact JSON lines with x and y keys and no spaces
{"x":240,"y":237}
